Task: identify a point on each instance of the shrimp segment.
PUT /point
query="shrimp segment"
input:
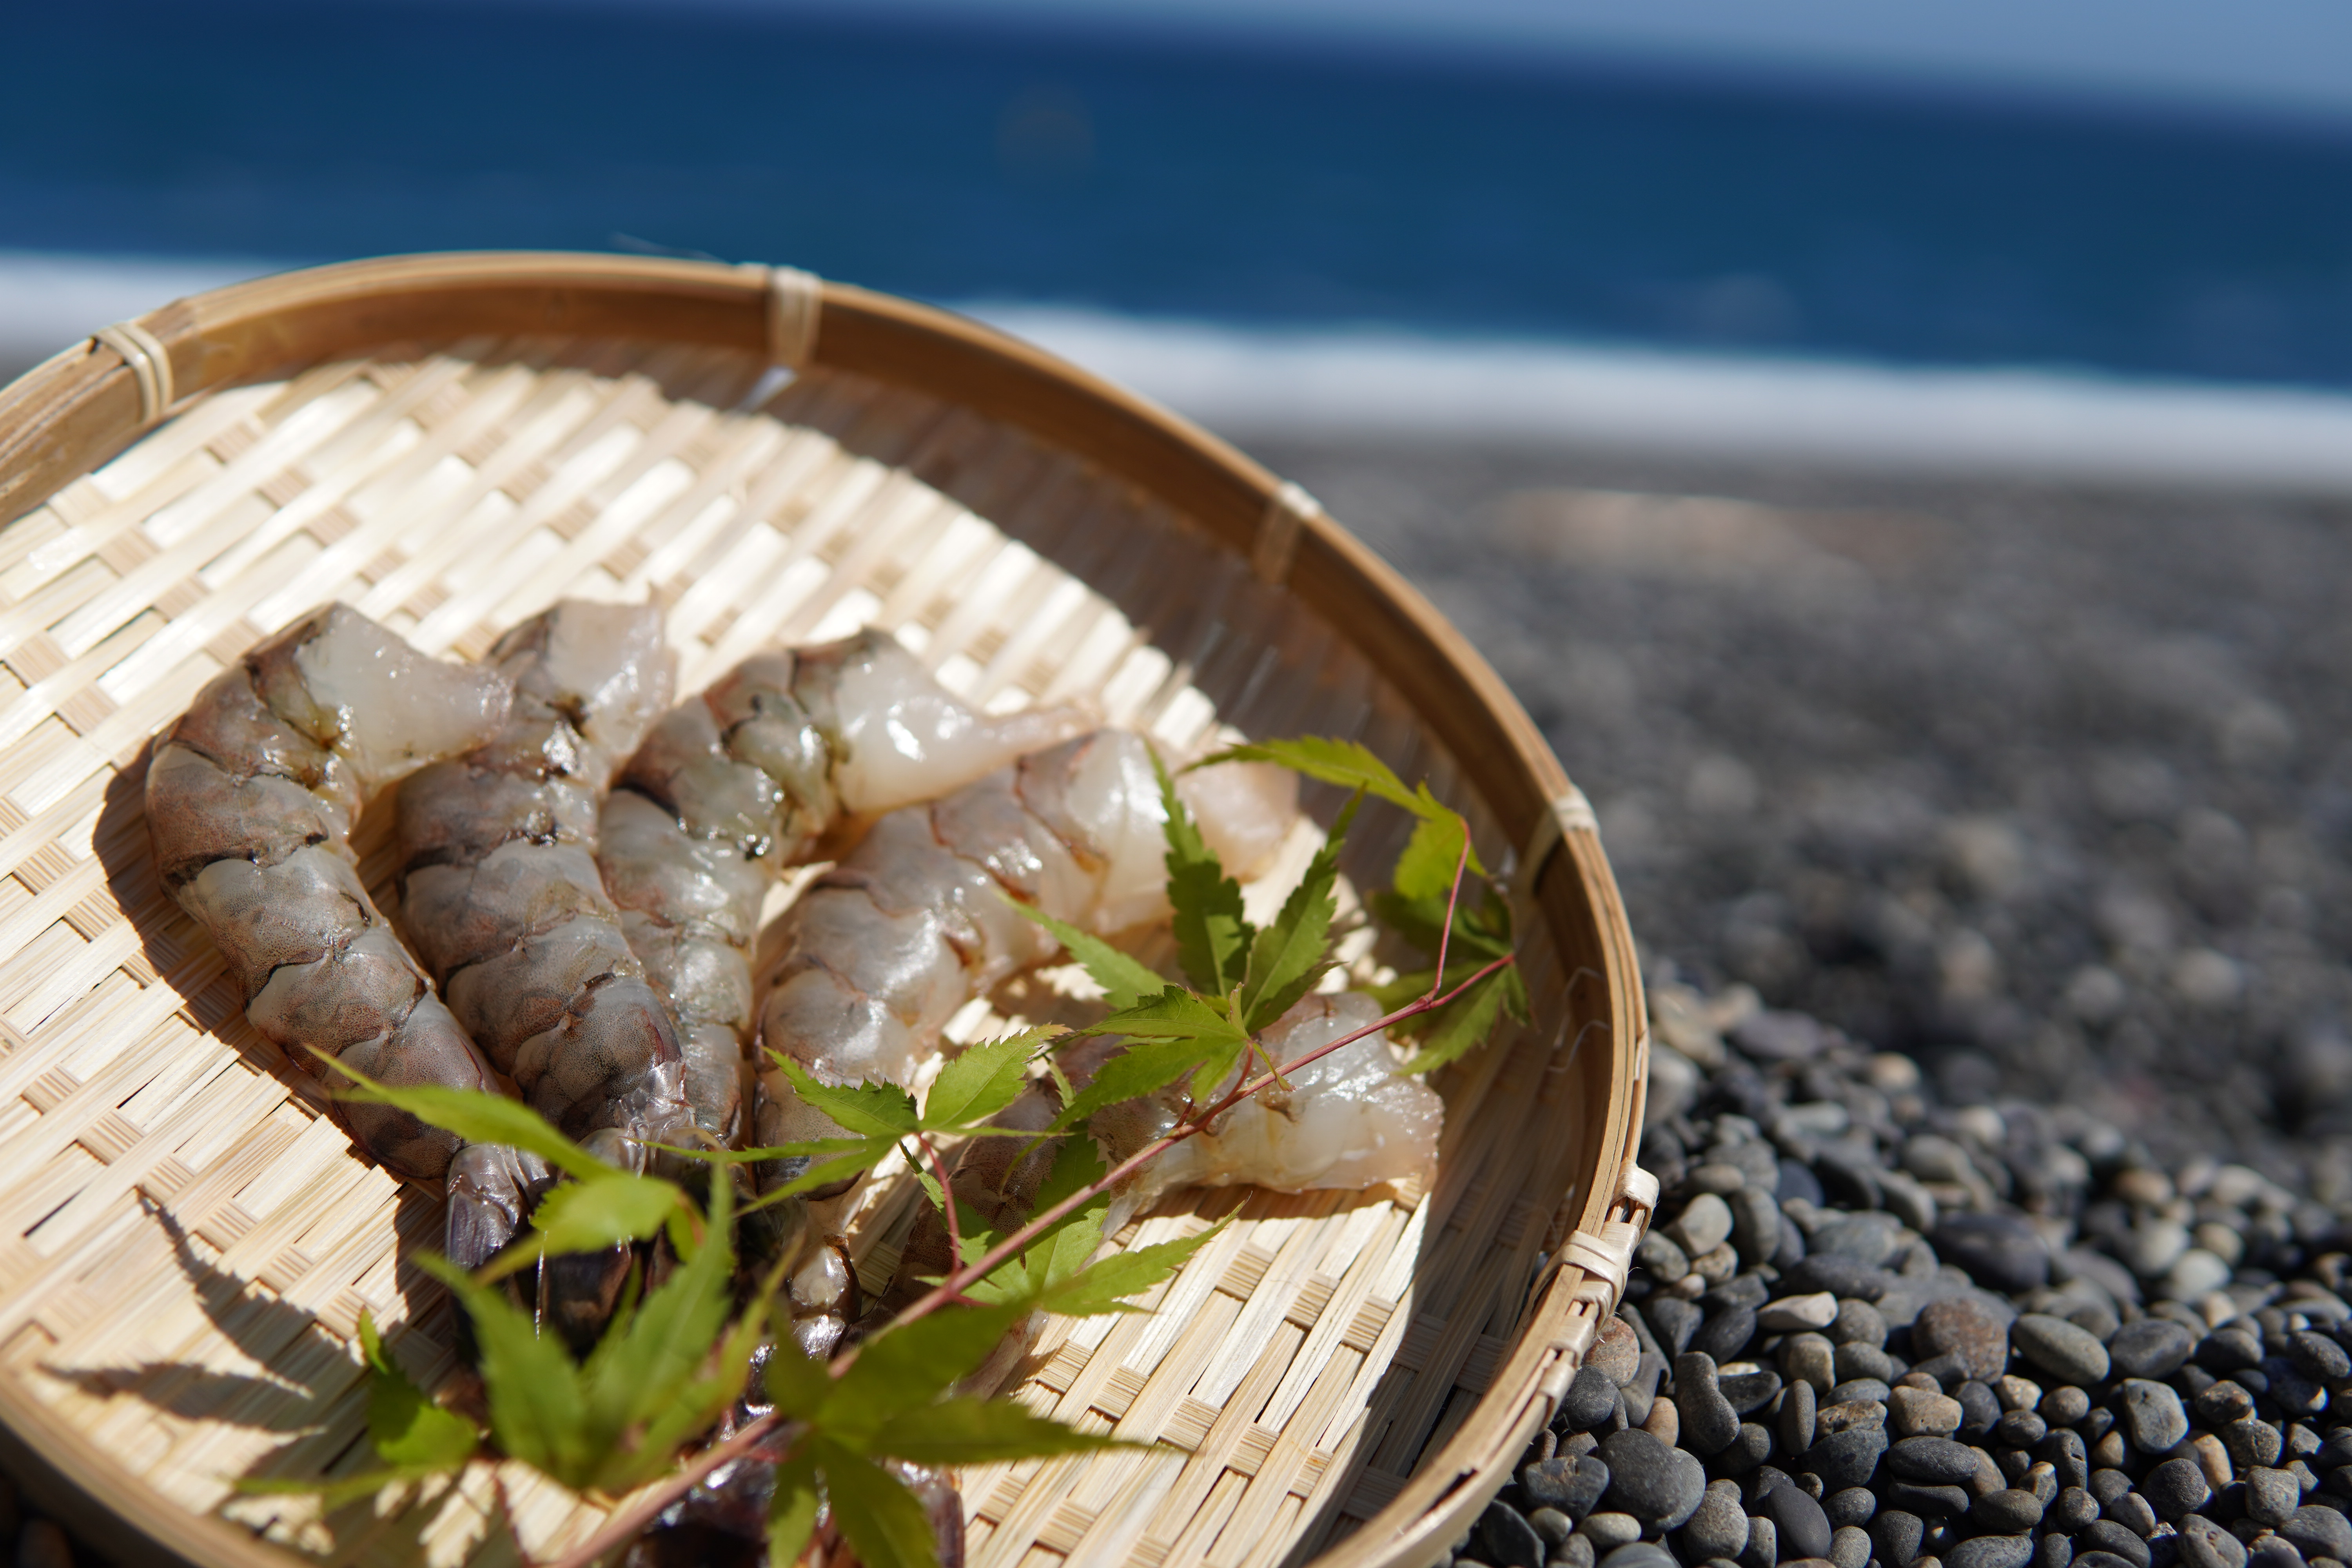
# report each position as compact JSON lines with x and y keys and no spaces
{"x":737,"y":786}
{"x":250,"y":801}
{"x":500,"y":894}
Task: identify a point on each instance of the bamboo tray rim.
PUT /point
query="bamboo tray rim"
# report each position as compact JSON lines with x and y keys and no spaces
{"x":82,"y":406}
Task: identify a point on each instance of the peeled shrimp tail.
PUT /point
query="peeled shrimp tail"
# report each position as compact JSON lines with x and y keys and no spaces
{"x":754,"y":776}
{"x":883,"y":949}
{"x":250,"y":801}
{"x":501,"y":895}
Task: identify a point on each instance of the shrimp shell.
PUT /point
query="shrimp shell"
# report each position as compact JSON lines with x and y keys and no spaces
{"x":499,"y":889}
{"x":251,"y":800}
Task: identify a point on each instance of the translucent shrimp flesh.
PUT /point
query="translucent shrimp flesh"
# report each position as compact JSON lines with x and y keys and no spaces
{"x":251,"y":800}
{"x":881,"y":950}
{"x":753,"y":777}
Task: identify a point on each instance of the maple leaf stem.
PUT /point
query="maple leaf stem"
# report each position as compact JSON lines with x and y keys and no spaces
{"x":947,"y":1194}
{"x":629,"y":1521}
{"x":1453,"y":896}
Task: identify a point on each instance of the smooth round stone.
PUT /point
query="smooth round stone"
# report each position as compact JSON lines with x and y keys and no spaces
{"x":2153,"y":1347}
{"x":1674,"y":1320}
{"x":1846,"y":1459}
{"x":1507,"y":1540}
{"x":1869,"y":1238}
{"x":2104,"y":1559}
{"x":1853,"y":1361}
{"x":1703,"y":1225}
{"x":1850,"y":1505}
{"x":1718,"y":1526}
{"x":1916,"y":1413}
{"x":2135,"y":1513}
{"x":1616,"y":1353}
{"x":2205,"y":1544}
{"x":1640,"y":1554}
{"x":1808,"y":1358}
{"x":2152,"y":1417}
{"x":1726,"y":1335}
{"x":1607,"y":1532}
{"x":1858,"y":1324}
{"x":1644,"y":1479}
{"x":2220,"y":1403}
{"x":2067,"y":1351}
{"x":1991,"y":1552}
{"x":1708,"y":1423}
{"x":2194,"y":1275}
{"x":1690,"y":1487}
{"x":1843,"y":1277}
{"x":1718,"y":1177}
{"x":1928,"y":1503}
{"x":2177,"y":1488}
{"x":1850,"y":1547}
{"x":1555,"y":1527}
{"x":2007,"y":1511}
{"x":1933,"y":1461}
{"x":2319,"y":1531}
{"x":2065,"y":1404}
{"x":2271,"y":1495}
{"x":1749,"y":1449}
{"x":1663,"y":1256}
{"x":1763,"y":1548}
{"x":1896,"y":1535}
{"x":1590,"y":1399}
{"x":1803,"y":1527}
{"x":2055,"y":1552}
{"x":1755,"y":1223}
{"x":1999,"y":1251}
{"x":1749,"y":1392}
{"x":1576,"y":1551}
{"x":1861,"y":1391}
{"x":2229,"y":1348}
{"x":1979,"y":1409}
{"x":1795,"y":1314}
{"x":1798,"y":1409}
{"x":2073,"y":1509}
{"x":2020,"y":1429}
{"x":1967,"y":1329}
{"x":2292,"y":1391}
{"x":1846,"y":1417}
{"x":1570,"y":1483}
{"x":2104,"y":1535}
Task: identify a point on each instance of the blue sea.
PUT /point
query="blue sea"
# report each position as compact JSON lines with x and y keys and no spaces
{"x":1281,"y":185}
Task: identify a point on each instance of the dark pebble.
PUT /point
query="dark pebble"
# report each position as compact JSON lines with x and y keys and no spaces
{"x":2205,"y":1544}
{"x":1846,"y":1459}
{"x":2105,"y":1535}
{"x":2319,"y":1531}
{"x":1776,"y":1036}
{"x":1739,"y":1290}
{"x":1591,"y":1398}
{"x":1898,"y":1536}
{"x":1861,"y":1391}
{"x":2020,"y":1429}
{"x":1841,"y":1277}
{"x":1868,"y":1239}
{"x":1719,"y":1526}
{"x":2252,"y":1443}
{"x":1965,"y":1328}
{"x":2153,"y":1347}
{"x":1576,"y":1552}
{"x":1674,"y":1320}
{"x":2007,"y":1511}
{"x":1999,"y":1251}
{"x":1980,"y":1409}
{"x":2334,"y":1450}
{"x":1643,"y":1478}
{"x":2152,"y":1417}
{"x":1749,"y":1391}
{"x":1850,"y":1505}
{"x":2067,"y":1455}
{"x":1798,"y":1406}
{"x":2135,"y":1513}
{"x":1640,"y":1554}
{"x":2069,"y":1351}
{"x":2222,"y":1403}
{"x":1727,"y":1334}
{"x":1797,"y":1180}
{"x":2293,"y":1391}
{"x":2107,"y":1559}
{"x":1929,"y":1501}
{"x":1749,"y":1449}
{"x":1507,"y":1540}
{"x":2064,"y":1405}
{"x":2074,"y":1509}
{"x":1708,"y":1423}
{"x":2228,"y":1348}
{"x":2177,"y":1488}
{"x":1933,"y":1461}
{"x":2054,"y":1552}
{"x":2317,"y":1356}
{"x":1804,"y":1528}
{"x":1991,"y":1552}
{"x":1572,"y":1484}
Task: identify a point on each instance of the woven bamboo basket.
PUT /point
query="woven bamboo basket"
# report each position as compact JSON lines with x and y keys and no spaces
{"x":451,"y":442}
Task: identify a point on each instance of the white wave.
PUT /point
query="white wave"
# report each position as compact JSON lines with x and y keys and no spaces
{"x":2007,"y":424}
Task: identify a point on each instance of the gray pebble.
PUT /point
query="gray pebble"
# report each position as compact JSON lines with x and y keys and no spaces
{"x":1796,"y":1420}
{"x":1917,"y":1413}
{"x":2074,"y":1509}
{"x":1591,"y":1398}
{"x":1663,"y":1257}
{"x":1858,"y":1324}
{"x":2205,"y":1544}
{"x":1991,"y":1552}
{"x":2271,"y":1495}
{"x":2295,"y":1394}
{"x":1575,"y":1553}
{"x":1726,"y":1335}
{"x":1755,"y":1223}
{"x":1675,"y":1321}
{"x":1808,"y":1358}
{"x":2104,"y":1559}
{"x":1979,"y":1408}
{"x":1710,"y":1424}
{"x":2020,"y":1429}
{"x":1861,"y":1391}
{"x":1749,"y":1391}
{"x":2319,"y":1531}
{"x":1763,"y":1548}
{"x":1854,"y":1359}
{"x":2269,"y":1550}
{"x":2067,"y":1455}
{"x":1927,"y":1501}
{"x":2152,"y":1417}
{"x":2135,"y":1512}
{"x":1851,"y":1505}
{"x":2177,"y":1488}
{"x":1718,"y":1527}
{"x":1967,"y":1329}
{"x":1841,"y":1276}
{"x":1845,"y":1417}
{"x":1850,"y":1547}
{"x":2116,"y":1540}
{"x":1749,"y":1449}
{"x":2064,"y":1405}
{"x":1999,"y":1251}
{"x":1609,"y":1531}
{"x":1896,"y":1535}
{"x":1572,"y":1484}
{"x":2008,"y":1511}
{"x":1640,"y":1554}
{"x":1555,"y":1527}
{"x":1868,"y":1239}
{"x":2252,"y":1443}
{"x":2054,"y":1552}
{"x":1805,"y":1528}
{"x":1616,"y":1352}
{"x":1703,"y":1225}
{"x":2067,"y":1351}
{"x":1846,"y":1459}
{"x":2153,"y":1347}
{"x":1506,"y":1538}
{"x":1933,"y":1461}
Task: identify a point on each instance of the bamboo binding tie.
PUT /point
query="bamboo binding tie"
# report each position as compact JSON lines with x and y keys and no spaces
{"x":795,"y":300}
{"x":1569,"y":812}
{"x":150,"y":363}
{"x":1287,"y":512}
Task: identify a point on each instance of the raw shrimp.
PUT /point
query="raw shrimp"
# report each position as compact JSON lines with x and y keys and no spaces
{"x":749,"y":779}
{"x":878,"y":955}
{"x":251,"y":800}
{"x":501,"y":895}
